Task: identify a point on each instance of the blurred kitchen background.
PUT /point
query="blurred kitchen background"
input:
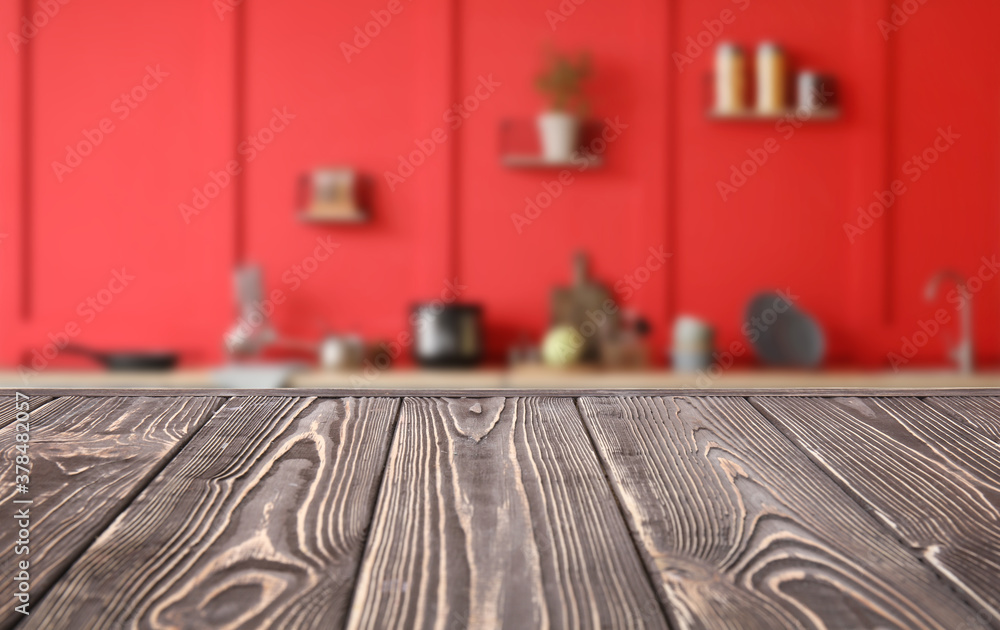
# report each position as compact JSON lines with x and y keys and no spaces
{"x":454,"y":193}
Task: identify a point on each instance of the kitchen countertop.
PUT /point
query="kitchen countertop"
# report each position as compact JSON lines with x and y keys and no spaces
{"x":520,"y":378}
{"x":773,"y":510}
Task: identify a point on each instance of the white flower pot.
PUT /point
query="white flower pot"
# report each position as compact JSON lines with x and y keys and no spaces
{"x":559,"y":133}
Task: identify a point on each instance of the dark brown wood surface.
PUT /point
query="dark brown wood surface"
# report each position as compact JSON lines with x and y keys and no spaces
{"x":89,"y":457}
{"x":495,"y":512}
{"x":259,"y":522}
{"x":929,"y":472}
{"x":9,"y":411}
{"x":743,"y":531}
{"x":289,"y":509}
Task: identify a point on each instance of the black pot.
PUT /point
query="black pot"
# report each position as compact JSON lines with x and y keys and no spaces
{"x":447,"y":335}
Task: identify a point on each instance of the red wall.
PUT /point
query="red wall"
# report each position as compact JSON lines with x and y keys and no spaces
{"x":118,"y":209}
{"x":452,"y":218}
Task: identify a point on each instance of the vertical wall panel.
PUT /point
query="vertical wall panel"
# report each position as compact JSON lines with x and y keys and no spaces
{"x":950,"y":217}
{"x":138,"y":150}
{"x":615,"y":212}
{"x":362,"y":113}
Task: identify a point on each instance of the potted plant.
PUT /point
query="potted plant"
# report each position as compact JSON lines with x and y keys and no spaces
{"x":559,"y":127}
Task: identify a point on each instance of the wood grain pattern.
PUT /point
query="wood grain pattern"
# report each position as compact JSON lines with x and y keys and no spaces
{"x":8,"y":412}
{"x":743,"y":531}
{"x":89,"y":457}
{"x":969,"y":436}
{"x":259,"y":522}
{"x":496,"y":513}
{"x":929,"y":473}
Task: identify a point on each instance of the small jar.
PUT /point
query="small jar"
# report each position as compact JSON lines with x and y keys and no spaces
{"x":730,"y":79}
{"x":770,"y":79}
{"x":811,"y":94}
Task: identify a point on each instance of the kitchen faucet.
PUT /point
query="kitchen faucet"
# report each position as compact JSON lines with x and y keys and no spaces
{"x":253,"y":333}
{"x":963,"y":351}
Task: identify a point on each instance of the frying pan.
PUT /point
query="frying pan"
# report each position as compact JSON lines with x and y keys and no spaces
{"x":131,"y":360}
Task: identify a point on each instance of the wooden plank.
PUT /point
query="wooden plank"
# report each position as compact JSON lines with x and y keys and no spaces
{"x":259,"y":522}
{"x":743,"y":531}
{"x":8,"y":410}
{"x":89,"y":457}
{"x":456,"y":392}
{"x":981,"y":415}
{"x":933,"y":478}
{"x":496,"y":513}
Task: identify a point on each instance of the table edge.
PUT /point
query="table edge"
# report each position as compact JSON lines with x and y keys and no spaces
{"x":827,"y":392}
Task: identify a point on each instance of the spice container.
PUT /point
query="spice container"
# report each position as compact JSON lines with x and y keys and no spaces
{"x":730,"y":81}
{"x":815,"y":92}
{"x":693,"y":344}
{"x":770,"y":79}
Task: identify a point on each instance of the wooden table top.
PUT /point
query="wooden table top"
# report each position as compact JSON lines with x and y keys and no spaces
{"x":211,"y":509}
